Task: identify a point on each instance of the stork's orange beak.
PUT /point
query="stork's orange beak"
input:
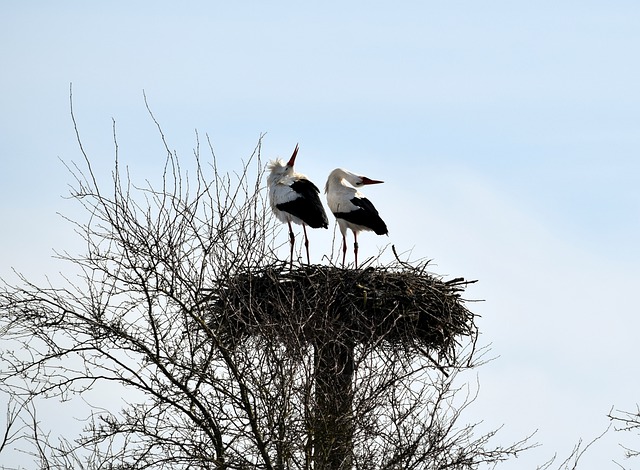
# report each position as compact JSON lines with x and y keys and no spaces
{"x":292,"y":160}
{"x":366,"y":180}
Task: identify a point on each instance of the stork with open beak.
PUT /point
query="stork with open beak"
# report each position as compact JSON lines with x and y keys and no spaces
{"x":352,"y":210}
{"x":294,"y":198}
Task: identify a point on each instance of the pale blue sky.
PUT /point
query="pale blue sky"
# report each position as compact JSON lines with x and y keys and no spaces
{"x":513,"y":127}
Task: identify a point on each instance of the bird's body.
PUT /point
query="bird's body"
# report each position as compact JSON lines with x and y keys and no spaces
{"x":352,"y":210}
{"x":294,"y":198}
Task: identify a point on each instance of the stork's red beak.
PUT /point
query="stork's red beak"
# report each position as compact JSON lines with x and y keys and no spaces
{"x":366,"y":180}
{"x":292,"y":160}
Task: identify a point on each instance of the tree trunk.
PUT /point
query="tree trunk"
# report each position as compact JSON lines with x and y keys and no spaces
{"x":333,"y":427}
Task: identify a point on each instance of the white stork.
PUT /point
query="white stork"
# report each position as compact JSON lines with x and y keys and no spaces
{"x":352,"y":210}
{"x":295,"y":199}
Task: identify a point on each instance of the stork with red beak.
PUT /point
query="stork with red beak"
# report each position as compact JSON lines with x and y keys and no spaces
{"x":294,"y":198}
{"x":352,"y":210}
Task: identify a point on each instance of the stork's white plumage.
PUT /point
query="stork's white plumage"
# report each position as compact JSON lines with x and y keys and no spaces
{"x":352,"y":210}
{"x":294,"y":198}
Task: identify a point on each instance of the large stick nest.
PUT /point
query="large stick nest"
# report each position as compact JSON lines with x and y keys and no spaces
{"x":399,"y":306}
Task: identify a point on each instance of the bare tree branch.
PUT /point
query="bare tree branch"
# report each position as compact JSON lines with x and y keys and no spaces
{"x":627,"y":421}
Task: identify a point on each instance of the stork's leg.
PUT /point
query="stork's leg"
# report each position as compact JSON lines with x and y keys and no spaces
{"x":292,"y":239}
{"x":355,"y":247}
{"x":306,"y":242}
{"x":344,"y":248}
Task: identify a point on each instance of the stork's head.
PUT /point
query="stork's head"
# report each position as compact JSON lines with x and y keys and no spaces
{"x":357,"y":181}
{"x":364,"y":180}
{"x":279,"y":168}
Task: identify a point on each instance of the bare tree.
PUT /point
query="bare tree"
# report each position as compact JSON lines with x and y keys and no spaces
{"x":238,"y":360}
{"x":627,"y":421}
{"x":575,"y":457}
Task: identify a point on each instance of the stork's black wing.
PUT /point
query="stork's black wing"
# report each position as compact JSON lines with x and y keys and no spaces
{"x":306,"y":206}
{"x":366,"y":215}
